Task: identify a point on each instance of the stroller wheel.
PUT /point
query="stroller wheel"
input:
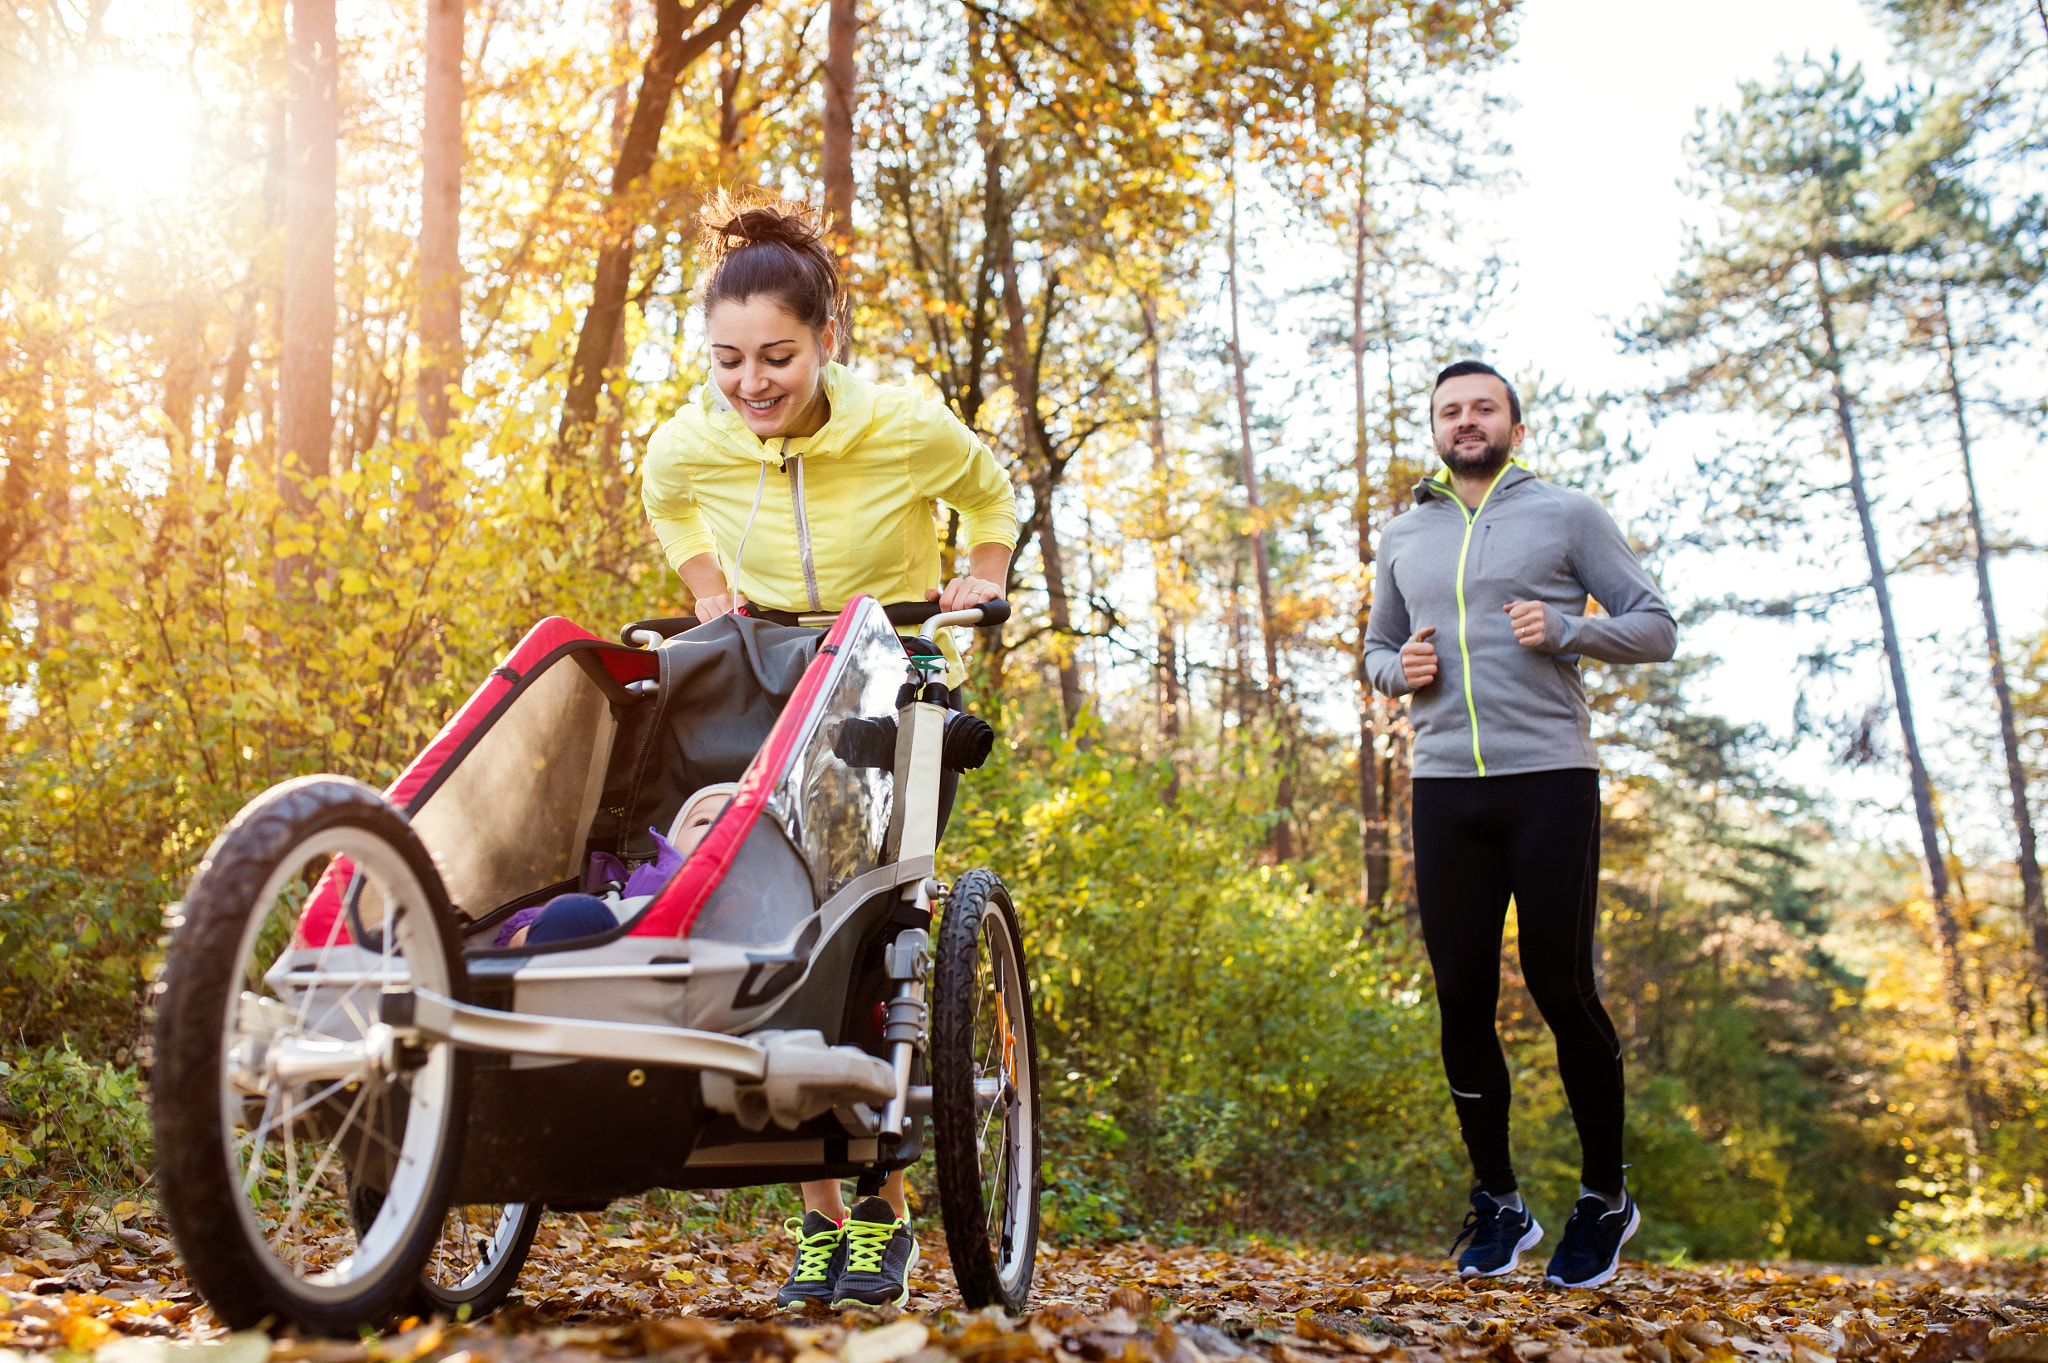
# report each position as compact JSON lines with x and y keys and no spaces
{"x":476,"y":1261}
{"x":304,"y":1148}
{"x":984,"y":1064}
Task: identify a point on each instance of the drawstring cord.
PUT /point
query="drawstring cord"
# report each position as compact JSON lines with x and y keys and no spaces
{"x":741,"y":552}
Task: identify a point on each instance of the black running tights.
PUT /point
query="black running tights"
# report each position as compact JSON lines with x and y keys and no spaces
{"x":1533,"y":837}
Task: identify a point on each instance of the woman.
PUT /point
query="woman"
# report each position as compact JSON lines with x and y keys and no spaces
{"x":790,"y":483}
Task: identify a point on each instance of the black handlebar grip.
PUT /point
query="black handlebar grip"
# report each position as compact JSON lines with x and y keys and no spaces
{"x":917,"y":612}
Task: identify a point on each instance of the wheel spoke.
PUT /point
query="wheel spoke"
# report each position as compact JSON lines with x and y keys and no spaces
{"x":327,"y":1155}
{"x":309,"y":1104}
{"x":299,"y":1151}
{"x":986,"y":1003}
{"x":998,"y":1185}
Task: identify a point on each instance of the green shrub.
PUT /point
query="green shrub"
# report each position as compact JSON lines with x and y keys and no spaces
{"x":1220,"y":1045}
{"x":76,"y":949}
{"x":75,"y":1119}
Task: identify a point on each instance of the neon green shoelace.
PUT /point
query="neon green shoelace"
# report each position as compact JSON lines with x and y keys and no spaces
{"x":865,"y":1242}
{"x":813,"y":1252}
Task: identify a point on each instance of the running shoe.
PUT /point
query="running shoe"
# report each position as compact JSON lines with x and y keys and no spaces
{"x":1499,"y":1234}
{"x":1591,"y":1249}
{"x":880,"y":1252}
{"x":820,"y":1257}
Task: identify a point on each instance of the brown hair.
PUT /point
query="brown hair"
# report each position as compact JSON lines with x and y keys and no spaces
{"x":756,"y":243}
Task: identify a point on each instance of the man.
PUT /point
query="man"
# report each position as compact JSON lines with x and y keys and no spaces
{"x":1479,"y":612}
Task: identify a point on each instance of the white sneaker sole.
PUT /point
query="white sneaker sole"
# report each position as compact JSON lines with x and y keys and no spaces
{"x":1530,"y":1239}
{"x":1635,"y":1218}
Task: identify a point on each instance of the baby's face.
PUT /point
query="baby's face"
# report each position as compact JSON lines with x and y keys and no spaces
{"x":699,"y":822}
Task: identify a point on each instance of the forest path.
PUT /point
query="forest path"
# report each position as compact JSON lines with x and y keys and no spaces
{"x":105,"y":1281}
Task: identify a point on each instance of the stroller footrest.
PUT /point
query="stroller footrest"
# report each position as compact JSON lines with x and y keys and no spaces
{"x":438,"y":1018}
{"x":805,"y":1079}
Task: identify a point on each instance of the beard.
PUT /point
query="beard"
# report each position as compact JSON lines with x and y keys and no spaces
{"x":1489,"y":461}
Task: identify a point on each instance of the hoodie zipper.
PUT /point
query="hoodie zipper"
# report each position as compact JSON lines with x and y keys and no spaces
{"x":1465,"y":653}
{"x":803,"y":524}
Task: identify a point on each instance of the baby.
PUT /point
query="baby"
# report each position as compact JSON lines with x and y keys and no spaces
{"x":569,"y":916}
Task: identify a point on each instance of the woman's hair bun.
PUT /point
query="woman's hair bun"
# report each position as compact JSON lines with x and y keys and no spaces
{"x":731,"y":220}
{"x":754,"y":243}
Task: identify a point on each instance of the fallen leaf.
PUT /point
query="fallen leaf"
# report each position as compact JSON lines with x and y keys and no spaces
{"x":886,"y":1344}
{"x":2010,"y":1346}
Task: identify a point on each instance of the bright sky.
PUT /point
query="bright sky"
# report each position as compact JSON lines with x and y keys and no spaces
{"x":1608,"y":91}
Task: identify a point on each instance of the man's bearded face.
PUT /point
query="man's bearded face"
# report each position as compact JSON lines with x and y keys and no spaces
{"x":1473,"y":424}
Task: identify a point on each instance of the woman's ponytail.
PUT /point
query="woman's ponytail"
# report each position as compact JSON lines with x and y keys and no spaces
{"x":757,"y":244}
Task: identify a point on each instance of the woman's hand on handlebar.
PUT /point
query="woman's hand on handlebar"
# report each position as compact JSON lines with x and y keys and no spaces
{"x":706,"y":581}
{"x":962,"y":593}
{"x":709,"y":608}
{"x":988,"y":567}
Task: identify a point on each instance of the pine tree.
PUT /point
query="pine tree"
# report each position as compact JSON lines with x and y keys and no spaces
{"x":1962,"y":274}
{"x":1771,"y":315}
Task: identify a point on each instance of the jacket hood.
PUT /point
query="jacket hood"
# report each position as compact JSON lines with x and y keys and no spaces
{"x":1437,"y":487}
{"x":853,"y":401}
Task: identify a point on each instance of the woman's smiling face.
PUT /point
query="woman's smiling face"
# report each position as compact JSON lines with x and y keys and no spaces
{"x":768,"y":364}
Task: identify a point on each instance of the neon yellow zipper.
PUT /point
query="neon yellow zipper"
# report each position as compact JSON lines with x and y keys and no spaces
{"x":1464,"y":653}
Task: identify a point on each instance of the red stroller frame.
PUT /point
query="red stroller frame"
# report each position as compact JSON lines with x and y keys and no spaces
{"x":363,"y":1103}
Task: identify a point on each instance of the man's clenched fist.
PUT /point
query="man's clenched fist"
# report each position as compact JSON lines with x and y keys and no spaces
{"x":1527,"y":618}
{"x":1418,"y":659}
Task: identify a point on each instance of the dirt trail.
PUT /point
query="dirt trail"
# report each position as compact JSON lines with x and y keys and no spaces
{"x":106,"y":1281}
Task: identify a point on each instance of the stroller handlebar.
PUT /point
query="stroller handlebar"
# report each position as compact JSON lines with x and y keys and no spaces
{"x":928,"y":613}
{"x":651,"y":633}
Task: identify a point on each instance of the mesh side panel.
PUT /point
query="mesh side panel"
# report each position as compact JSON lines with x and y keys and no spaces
{"x":763,"y":898}
{"x":835,"y":813}
{"x":513,"y":816}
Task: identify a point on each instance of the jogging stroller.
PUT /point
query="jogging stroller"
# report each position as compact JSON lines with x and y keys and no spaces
{"x":363,"y":1102}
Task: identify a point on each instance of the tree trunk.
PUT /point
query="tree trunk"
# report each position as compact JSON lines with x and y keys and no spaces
{"x":184,"y":371}
{"x":732,"y":114}
{"x":1283,"y":796}
{"x":1059,"y":611}
{"x":441,"y":223}
{"x":1167,"y":667}
{"x":313,"y":127}
{"x":1947,"y":927}
{"x":612,"y":436}
{"x":2008,"y":728}
{"x":1022,"y":362}
{"x":234,"y":385}
{"x":1372,"y":819}
{"x":842,"y":32}
{"x":673,"y":51}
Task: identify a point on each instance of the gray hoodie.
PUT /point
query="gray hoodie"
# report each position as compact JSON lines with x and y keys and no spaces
{"x":1497,"y":708}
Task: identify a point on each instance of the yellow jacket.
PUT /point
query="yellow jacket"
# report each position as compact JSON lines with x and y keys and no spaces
{"x":848,"y":510}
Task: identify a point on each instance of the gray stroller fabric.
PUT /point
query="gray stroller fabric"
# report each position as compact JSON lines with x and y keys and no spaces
{"x":723,"y":686}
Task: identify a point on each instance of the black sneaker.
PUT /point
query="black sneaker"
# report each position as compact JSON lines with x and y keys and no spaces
{"x":880,"y":1252}
{"x":820,"y":1257}
{"x":1498,"y":1233}
{"x":1591,"y":1248}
